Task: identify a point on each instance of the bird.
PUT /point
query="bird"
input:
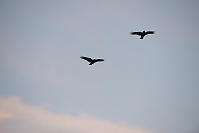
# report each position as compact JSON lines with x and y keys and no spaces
{"x":90,"y":60}
{"x":143,"y":33}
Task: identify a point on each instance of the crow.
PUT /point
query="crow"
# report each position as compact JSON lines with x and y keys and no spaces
{"x":142,"y":34}
{"x":91,"y":61}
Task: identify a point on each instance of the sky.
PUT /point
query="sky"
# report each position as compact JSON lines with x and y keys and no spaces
{"x":143,"y":86}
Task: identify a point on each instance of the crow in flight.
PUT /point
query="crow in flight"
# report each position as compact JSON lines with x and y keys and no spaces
{"x":91,"y":61}
{"x":142,"y":34}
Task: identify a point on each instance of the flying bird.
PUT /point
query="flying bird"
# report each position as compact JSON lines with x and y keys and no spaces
{"x":143,"y":33}
{"x":91,"y":61}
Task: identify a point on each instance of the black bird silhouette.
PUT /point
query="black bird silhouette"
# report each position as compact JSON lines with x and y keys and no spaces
{"x":142,"y":34}
{"x":92,"y":61}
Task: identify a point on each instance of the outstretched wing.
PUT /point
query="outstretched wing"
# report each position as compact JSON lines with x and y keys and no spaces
{"x":136,"y":33}
{"x":150,"y":32}
{"x":99,"y":60}
{"x":86,"y":58}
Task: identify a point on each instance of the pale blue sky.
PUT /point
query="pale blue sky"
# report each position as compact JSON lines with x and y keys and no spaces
{"x":151,"y":83}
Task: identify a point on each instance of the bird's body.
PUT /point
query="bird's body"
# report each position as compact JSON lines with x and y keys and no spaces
{"x":142,"y":34}
{"x":91,"y":61}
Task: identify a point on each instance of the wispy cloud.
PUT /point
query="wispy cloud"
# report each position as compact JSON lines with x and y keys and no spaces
{"x":5,"y":115}
{"x":14,"y":114}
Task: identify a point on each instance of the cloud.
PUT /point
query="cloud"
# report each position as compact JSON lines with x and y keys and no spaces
{"x":5,"y":115}
{"x":15,"y":116}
